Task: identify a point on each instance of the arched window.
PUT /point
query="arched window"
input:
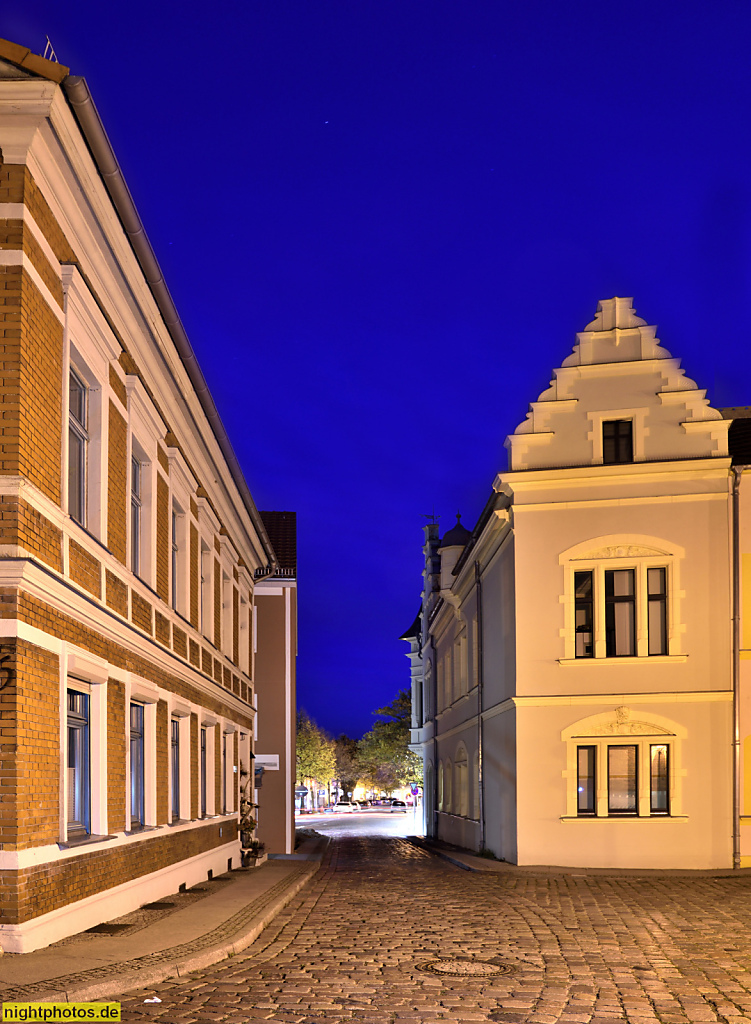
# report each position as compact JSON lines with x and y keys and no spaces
{"x":623,"y":764}
{"x":461,"y":782}
{"x":447,"y":790}
{"x":440,"y":785}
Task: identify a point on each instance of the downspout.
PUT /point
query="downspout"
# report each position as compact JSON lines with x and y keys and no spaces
{"x":82,"y":104}
{"x":480,"y":787}
{"x":736,"y":570}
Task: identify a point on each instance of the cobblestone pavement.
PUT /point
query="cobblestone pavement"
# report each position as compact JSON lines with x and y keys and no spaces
{"x":589,"y":949}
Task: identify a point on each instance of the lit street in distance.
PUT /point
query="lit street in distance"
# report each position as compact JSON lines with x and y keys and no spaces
{"x":375,"y":821}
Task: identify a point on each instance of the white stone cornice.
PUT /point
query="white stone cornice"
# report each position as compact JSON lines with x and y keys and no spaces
{"x":18,"y":258}
{"x":54,"y":591}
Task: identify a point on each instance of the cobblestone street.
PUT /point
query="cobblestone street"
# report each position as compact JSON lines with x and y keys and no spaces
{"x":589,"y":949}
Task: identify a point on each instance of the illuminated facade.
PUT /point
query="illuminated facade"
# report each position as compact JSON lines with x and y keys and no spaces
{"x":131,"y":547}
{"x":575,"y":704}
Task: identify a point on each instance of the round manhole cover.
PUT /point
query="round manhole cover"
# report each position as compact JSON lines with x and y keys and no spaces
{"x":464,"y":968}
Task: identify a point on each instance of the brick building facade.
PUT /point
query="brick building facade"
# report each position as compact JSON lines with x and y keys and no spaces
{"x":129,"y":545}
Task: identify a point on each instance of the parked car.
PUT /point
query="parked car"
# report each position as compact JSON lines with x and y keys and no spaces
{"x":398,"y":805}
{"x":345,"y":806}
{"x":362,"y":804}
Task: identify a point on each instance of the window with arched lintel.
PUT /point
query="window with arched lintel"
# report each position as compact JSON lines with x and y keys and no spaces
{"x":441,"y":774}
{"x":461,"y":782}
{"x":624,"y":764}
{"x":447,"y":787}
{"x":622,"y":599}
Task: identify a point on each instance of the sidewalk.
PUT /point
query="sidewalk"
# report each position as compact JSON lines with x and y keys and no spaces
{"x":232,"y":914}
{"x":473,"y":862}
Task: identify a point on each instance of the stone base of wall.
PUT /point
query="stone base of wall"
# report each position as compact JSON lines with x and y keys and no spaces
{"x":114,"y":902}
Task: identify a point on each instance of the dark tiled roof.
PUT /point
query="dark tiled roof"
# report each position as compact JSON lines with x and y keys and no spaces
{"x":282,"y":530}
{"x":415,"y":629}
{"x":739,"y":441}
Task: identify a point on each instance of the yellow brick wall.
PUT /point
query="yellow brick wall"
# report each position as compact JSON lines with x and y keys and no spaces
{"x":141,"y":612}
{"x":217,"y":604}
{"x":117,"y":484}
{"x":162,"y":537}
{"x":117,"y":717}
{"x":117,"y":594}
{"x":162,"y":762}
{"x":194,"y":576}
{"x":84,"y":569}
{"x":195,"y":789}
{"x":26,"y":894}
{"x":29,"y":746}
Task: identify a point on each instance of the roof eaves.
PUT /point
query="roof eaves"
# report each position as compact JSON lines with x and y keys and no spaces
{"x":22,"y":57}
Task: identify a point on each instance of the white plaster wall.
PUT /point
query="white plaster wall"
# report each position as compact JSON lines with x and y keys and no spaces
{"x":703,"y":839}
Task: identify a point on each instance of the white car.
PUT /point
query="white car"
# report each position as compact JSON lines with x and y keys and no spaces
{"x":345,"y":806}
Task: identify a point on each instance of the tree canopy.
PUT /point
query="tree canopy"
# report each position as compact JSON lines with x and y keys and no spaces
{"x":316,"y":757}
{"x":385,"y":758}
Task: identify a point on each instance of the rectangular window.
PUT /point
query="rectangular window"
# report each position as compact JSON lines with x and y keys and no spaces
{"x":620,"y":614}
{"x":174,"y":557}
{"x":224,"y":773}
{"x":78,"y":439}
{"x":617,"y":441}
{"x":659,"y":779}
{"x":137,"y":815}
{"x":203,"y":773}
{"x":585,"y":780}
{"x":657,"y":611}
{"x":79,"y":778}
{"x":584,"y":615}
{"x":136,"y":503}
{"x":622,"y":780}
{"x":175,"y":762}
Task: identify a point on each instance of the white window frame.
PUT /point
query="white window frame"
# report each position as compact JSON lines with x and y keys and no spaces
{"x":141,"y":691}
{"x":623,"y":551}
{"x":624,"y":726}
{"x":85,"y":672}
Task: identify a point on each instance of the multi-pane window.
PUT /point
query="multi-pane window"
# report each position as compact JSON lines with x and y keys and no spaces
{"x":626,"y":769}
{"x":78,"y":772}
{"x":203,"y":773}
{"x":78,"y":440}
{"x":175,"y":764}
{"x":614,"y":599}
{"x":584,"y":615}
{"x":137,"y":809}
{"x":620,"y":613}
{"x":617,"y":441}
{"x":136,"y":512}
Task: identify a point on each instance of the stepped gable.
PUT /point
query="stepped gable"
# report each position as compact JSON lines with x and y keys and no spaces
{"x":618,"y":370}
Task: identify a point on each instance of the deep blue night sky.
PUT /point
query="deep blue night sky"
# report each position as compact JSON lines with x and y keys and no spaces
{"x":383,"y":222}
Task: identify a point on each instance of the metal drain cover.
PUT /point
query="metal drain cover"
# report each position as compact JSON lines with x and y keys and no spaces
{"x":464,"y":968}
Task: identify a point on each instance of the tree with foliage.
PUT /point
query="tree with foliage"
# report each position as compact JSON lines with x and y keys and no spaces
{"x":315,"y":752}
{"x":348,"y":768}
{"x":385,"y":758}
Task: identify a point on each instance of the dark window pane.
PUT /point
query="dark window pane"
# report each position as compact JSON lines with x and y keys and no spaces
{"x":617,"y":441}
{"x":175,"y":769}
{"x":203,"y":773}
{"x":77,"y":400}
{"x":137,"y":816}
{"x":78,"y":779}
{"x":659,"y":787}
{"x":620,"y":614}
{"x":585,"y":780}
{"x":76,"y":476}
{"x":584,"y":647}
{"x":622,"y":780}
{"x":657,"y":611}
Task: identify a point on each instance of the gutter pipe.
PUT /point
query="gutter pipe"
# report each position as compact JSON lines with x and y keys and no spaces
{"x":737,"y":472}
{"x":80,"y":99}
{"x":480,"y":786}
